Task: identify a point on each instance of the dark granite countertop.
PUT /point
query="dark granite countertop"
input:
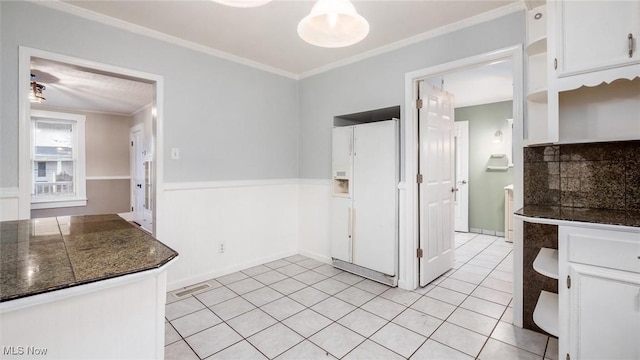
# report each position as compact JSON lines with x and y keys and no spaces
{"x":42,"y":255}
{"x":596,"y":216}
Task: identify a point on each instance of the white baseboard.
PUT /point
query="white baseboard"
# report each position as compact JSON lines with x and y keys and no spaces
{"x":225,"y":271}
{"x":322,"y":258}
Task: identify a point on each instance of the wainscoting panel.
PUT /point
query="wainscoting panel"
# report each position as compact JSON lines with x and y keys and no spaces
{"x":9,"y":204}
{"x":255,"y":221}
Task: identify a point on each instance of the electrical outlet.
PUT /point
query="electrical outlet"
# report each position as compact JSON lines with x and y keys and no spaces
{"x":221,"y":247}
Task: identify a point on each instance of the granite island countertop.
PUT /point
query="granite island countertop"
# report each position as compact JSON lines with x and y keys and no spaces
{"x":48,"y":254}
{"x":585,"y":215}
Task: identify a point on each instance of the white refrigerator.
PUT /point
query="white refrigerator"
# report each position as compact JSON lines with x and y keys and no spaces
{"x":364,"y":208}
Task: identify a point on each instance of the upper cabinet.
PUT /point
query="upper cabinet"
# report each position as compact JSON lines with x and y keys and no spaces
{"x":583,"y":72}
{"x":594,"y":41}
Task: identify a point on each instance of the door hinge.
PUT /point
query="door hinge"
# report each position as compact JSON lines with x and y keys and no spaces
{"x":555,"y":64}
{"x":418,"y":103}
{"x":132,"y":143}
{"x":132,"y":208}
{"x":568,"y":282}
{"x":419,"y":253}
{"x":419,"y":178}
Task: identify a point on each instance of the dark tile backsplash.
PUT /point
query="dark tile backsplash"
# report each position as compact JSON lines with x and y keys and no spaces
{"x":573,"y":178}
{"x":594,"y":175}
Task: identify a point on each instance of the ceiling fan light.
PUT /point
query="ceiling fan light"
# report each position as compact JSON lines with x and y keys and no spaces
{"x":243,"y":3}
{"x":333,"y":24}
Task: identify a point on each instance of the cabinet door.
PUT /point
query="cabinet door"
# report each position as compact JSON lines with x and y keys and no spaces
{"x":593,"y":35}
{"x":604,"y":315}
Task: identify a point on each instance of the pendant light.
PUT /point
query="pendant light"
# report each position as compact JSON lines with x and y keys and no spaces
{"x":333,"y":24}
{"x":243,"y":3}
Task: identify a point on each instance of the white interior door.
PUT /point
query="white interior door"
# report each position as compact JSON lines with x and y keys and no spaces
{"x":436,"y":191}
{"x":461,"y":131}
{"x":137,"y":173}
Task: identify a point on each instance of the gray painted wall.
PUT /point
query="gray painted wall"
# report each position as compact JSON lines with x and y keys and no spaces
{"x":230,"y":121}
{"x":486,"y":188}
{"x":378,"y":82}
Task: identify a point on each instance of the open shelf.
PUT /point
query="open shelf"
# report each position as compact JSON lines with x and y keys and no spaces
{"x":546,"y":263}
{"x":538,"y":95}
{"x":545,"y":314}
{"x":537,"y":46}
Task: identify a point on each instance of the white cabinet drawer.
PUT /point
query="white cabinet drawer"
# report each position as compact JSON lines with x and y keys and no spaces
{"x":612,"y":249}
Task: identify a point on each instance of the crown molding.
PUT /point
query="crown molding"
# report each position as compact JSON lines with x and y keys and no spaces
{"x":141,"y":30}
{"x":474,"y":20}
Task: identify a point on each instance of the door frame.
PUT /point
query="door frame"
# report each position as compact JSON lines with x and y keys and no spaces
{"x":133,"y":168}
{"x":24,"y":114}
{"x":409,"y":242}
{"x":462,"y":126}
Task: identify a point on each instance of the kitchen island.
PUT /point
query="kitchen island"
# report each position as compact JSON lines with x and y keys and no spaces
{"x":81,"y":287}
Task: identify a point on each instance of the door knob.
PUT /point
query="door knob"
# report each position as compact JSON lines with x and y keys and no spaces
{"x":463,"y":182}
{"x":454,"y":189}
{"x":139,"y":186}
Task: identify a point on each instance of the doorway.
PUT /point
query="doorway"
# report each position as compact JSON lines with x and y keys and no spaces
{"x":85,"y":89}
{"x":409,"y":203}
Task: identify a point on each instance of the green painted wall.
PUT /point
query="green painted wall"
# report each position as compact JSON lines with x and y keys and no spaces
{"x":486,"y":188}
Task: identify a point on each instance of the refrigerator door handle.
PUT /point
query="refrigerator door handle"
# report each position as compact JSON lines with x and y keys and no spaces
{"x":353,"y":229}
{"x":350,"y":232}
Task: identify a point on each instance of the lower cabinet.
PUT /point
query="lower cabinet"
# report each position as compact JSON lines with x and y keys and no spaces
{"x":599,"y":294}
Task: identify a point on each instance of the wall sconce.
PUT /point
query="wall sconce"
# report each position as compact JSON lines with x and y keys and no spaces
{"x":497,"y":137}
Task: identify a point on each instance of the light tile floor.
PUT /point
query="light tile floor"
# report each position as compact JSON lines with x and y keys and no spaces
{"x":299,"y":308}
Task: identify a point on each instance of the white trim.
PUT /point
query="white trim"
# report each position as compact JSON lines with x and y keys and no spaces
{"x":320,"y":182}
{"x":578,"y":224}
{"x":120,"y":177}
{"x":9,"y":193}
{"x":139,"y":110}
{"x":57,"y":295}
{"x":408,"y":195}
{"x":57,"y":203}
{"x":24,"y":117}
{"x":194,"y":280}
{"x":76,"y":110}
{"x":80,"y":175}
{"x":137,"y":29}
{"x":198,"y":185}
{"x":474,"y":20}
{"x":141,"y":30}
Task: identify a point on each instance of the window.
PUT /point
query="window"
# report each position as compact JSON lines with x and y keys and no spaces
{"x":58,"y":160}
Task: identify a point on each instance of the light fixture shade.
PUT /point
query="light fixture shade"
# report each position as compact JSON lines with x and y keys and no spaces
{"x":243,"y":3}
{"x":333,"y":24}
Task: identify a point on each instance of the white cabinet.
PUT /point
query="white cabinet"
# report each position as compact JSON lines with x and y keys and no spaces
{"x":539,"y":127}
{"x":594,"y":36}
{"x":588,"y":46}
{"x":364,"y":206}
{"x":599,"y":294}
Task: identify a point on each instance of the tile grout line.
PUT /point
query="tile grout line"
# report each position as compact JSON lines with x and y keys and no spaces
{"x":351,"y":286}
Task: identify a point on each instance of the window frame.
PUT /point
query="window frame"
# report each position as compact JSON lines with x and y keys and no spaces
{"x":79,"y":180}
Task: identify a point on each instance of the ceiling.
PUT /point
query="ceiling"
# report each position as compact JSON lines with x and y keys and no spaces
{"x":73,"y":87}
{"x":265,"y":37}
{"x":267,"y":34}
{"x":480,"y":85}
